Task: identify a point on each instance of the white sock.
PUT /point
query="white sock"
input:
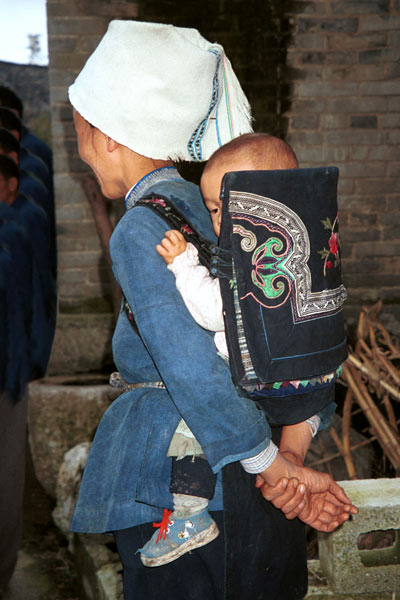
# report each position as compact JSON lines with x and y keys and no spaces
{"x":188,"y":506}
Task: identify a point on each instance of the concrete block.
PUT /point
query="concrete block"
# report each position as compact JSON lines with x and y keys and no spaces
{"x":350,"y":570}
{"x":63,"y":411}
{"x":98,"y":568}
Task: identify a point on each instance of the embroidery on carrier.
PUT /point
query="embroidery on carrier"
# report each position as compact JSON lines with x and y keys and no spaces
{"x":279,"y":265}
{"x":283,"y":304}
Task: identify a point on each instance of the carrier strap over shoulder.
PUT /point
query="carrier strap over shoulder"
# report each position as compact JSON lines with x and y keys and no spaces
{"x":175,"y":219}
{"x":164,"y":208}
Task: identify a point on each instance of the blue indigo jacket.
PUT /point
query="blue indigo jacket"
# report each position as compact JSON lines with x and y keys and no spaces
{"x":126,"y":480}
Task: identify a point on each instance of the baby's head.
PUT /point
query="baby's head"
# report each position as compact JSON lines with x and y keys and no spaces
{"x":249,"y":152}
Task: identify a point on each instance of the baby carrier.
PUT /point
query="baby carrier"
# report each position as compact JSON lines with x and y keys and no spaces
{"x":278,"y":261}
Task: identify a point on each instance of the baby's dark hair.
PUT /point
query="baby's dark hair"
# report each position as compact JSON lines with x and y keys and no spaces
{"x":10,"y":99}
{"x":260,"y":151}
{"x":10,"y":120}
{"x":8,"y":142}
{"x":8,"y":167}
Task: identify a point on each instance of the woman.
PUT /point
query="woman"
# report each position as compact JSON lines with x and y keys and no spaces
{"x":148,"y":95}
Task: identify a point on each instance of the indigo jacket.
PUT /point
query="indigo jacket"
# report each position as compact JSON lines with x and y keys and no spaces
{"x":126,"y":480}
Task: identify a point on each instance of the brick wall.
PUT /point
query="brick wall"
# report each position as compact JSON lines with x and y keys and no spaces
{"x":323,"y":74}
{"x":82,"y":341}
{"x":345,"y":110}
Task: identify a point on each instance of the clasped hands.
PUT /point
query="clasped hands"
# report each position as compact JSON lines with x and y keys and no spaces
{"x":314,"y":497}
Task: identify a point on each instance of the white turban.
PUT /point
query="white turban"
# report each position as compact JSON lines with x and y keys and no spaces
{"x":163,"y":91}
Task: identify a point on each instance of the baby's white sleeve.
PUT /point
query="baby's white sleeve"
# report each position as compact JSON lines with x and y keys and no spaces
{"x":200,"y":292}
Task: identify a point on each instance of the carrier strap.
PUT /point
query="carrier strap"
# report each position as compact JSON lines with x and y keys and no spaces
{"x":165,"y":209}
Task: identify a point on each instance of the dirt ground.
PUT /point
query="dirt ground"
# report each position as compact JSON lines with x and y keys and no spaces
{"x":45,"y":570}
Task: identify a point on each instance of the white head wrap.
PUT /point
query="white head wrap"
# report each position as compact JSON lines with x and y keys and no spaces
{"x":162,"y":91}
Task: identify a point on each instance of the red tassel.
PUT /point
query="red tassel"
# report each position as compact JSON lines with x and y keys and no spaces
{"x":163,"y":525}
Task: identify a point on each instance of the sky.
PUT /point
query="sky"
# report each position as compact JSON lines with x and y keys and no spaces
{"x":18,"y":19}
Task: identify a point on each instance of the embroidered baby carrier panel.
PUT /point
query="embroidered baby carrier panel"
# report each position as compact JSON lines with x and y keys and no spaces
{"x":282,"y":292}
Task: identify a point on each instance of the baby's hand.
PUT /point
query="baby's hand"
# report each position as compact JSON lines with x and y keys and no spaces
{"x":171,"y":246}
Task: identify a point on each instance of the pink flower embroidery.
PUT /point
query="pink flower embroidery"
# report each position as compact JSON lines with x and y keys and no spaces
{"x":158,"y":201}
{"x":334,"y":243}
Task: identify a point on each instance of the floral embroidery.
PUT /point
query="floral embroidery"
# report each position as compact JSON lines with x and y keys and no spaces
{"x":187,"y":229}
{"x":156,"y":201}
{"x":333,"y":244}
{"x":185,"y":534}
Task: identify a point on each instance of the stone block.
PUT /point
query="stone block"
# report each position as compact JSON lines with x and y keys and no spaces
{"x":352,"y":137}
{"x":364,"y":122}
{"x":375,"y":39}
{"x":369,"y":187}
{"x":98,"y":567}
{"x":350,"y":570}
{"x":71,"y":276}
{"x":349,"y":25}
{"x":327,"y":89}
{"x":379,"y":23}
{"x":62,"y":412}
{"x":318,"y":588}
{"x":384,"y":88}
{"x":378,"y":249}
{"x":390,"y":121}
{"x":82,"y":342}
{"x":359,"y":104}
{"x":351,"y":7}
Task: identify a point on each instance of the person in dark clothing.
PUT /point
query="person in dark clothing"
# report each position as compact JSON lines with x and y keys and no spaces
{"x":35,"y":160}
{"x":15,"y":366}
{"x":29,"y":140}
{"x":34,"y":220}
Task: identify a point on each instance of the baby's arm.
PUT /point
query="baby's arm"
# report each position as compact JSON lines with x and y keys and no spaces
{"x":200,"y":292}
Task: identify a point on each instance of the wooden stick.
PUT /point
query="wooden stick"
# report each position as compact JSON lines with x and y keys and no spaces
{"x":361,"y":333}
{"x":349,"y":466}
{"x":371,"y":334}
{"x":390,"y":412}
{"x":393,"y":372}
{"x":386,"y":437}
{"x":373,"y":375}
{"x":387,"y":339}
{"x":338,"y":455}
{"x":104,"y":229}
{"x":365,"y":347}
{"x":348,"y":459}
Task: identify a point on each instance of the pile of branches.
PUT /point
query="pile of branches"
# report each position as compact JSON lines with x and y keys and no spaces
{"x":373,"y":387}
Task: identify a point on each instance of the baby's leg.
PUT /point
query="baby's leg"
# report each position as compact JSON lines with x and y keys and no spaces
{"x":189,"y":525}
{"x":192,"y":485}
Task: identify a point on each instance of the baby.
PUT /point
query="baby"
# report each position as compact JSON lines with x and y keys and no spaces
{"x":192,"y":483}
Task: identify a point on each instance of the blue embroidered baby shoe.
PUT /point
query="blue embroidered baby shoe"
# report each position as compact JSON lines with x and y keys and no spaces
{"x":177,"y":536}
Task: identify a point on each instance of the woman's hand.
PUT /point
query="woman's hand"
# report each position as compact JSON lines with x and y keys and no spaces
{"x":320,"y":510}
{"x":171,"y":246}
{"x":314,"y":497}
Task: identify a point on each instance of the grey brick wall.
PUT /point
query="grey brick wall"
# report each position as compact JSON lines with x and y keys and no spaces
{"x":345,"y":110}
{"x":82,"y":341}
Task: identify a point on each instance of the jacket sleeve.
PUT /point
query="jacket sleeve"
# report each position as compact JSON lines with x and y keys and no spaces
{"x":228,"y":426}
